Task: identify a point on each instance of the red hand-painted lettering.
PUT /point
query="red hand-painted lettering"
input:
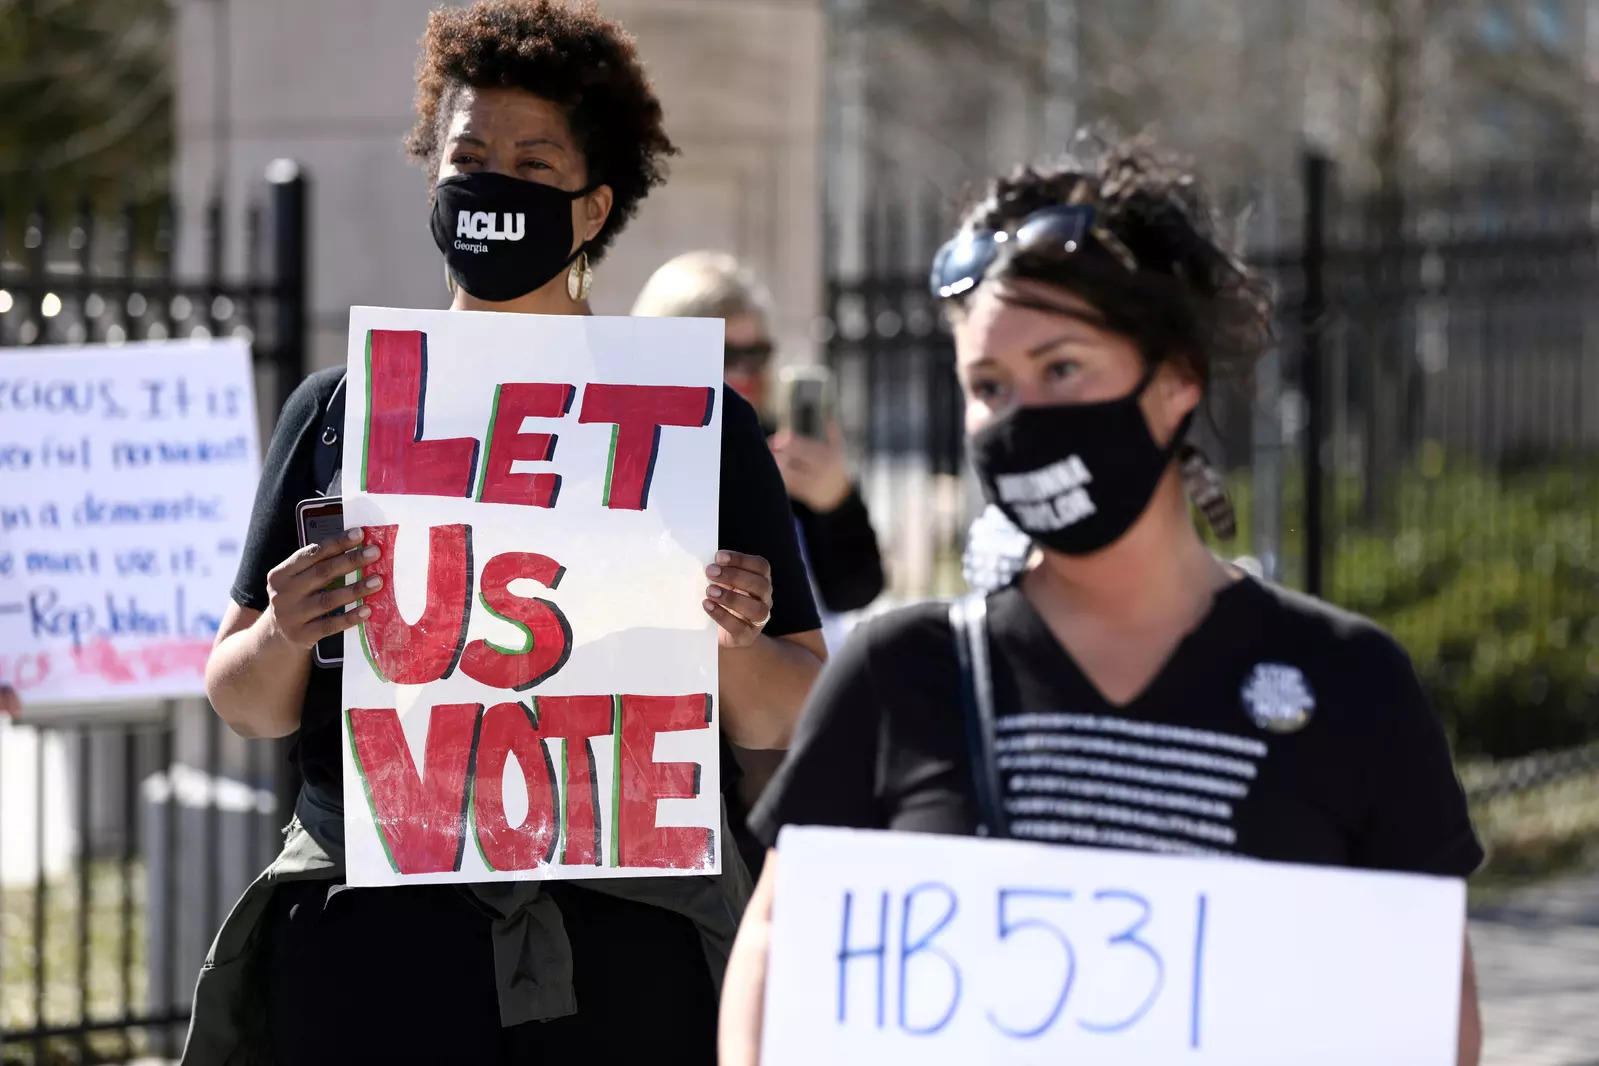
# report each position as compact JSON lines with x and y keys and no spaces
{"x":421,"y":818}
{"x":638,"y":412}
{"x":509,"y":732}
{"x":507,"y":443}
{"x":398,"y":461}
{"x":644,"y":781}
{"x":576,"y":720}
{"x":547,"y":636}
{"x":407,"y":654}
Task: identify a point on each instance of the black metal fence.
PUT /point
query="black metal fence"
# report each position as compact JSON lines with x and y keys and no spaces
{"x":1422,"y":447}
{"x":1447,"y":460}
{"x":138,"y":825}
{"x":893,"y":359}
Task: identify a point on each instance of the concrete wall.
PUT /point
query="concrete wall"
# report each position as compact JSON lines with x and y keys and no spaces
{"x":742,"y":85}
{"x":330,"y":83}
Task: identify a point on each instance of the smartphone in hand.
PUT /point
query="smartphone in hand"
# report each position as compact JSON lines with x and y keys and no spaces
{"x":319,"y":519}
{"x":806,"y":408}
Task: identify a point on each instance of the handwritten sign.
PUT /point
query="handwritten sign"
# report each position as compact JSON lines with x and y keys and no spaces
{"x":533,"y":693}
{"x":902,"y":948}
{"x":126,"y":480}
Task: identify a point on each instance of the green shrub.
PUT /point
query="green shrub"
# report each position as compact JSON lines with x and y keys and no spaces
{"x":1490,"y":580}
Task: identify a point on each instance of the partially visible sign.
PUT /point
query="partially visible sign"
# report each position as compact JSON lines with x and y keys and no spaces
{"x":914,"y":948}
{"x":126,"y":480}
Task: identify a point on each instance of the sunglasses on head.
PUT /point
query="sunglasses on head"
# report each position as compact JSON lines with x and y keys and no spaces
{"x":1059,"y":230}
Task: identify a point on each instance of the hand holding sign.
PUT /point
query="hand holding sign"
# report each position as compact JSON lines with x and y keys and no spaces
{"x":304,"y":590}
{"x":740,"y":600}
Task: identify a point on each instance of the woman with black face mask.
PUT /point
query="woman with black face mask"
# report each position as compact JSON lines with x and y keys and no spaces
{"x":1127,"y":689}
{"x":540,"y":135}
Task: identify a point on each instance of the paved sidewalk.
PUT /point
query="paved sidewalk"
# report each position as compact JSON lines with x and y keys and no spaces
{"x":1538,"y":974}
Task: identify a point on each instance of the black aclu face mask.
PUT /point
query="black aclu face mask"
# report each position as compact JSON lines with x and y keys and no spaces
{"x":503,"y":237}
{"x":1074,"y":477}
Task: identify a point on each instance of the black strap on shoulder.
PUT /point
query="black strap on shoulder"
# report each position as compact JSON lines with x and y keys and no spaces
{"x":329,"y":453}
{"x":968,"y":620}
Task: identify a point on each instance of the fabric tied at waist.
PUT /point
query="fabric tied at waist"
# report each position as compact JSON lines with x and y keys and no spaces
{"x":533,"y":963}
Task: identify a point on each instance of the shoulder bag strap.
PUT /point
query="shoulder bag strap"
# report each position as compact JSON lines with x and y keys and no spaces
{"x":329,"y":453}
{"x":968,"y":619}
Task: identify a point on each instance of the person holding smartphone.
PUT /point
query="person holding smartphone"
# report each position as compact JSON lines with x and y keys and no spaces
{"x":1128,"y":689}
{"x":797,"y":412}
{"x":534,"y":108}
{"x":836,"y":533}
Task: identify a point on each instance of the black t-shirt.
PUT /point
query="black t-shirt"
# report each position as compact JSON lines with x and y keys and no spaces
{"x":1280,"y":728}
{"x":754,"y":518}
{"x":842,"y":549}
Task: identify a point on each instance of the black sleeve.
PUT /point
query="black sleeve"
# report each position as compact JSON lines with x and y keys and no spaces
{"x":1417,"y":820}
{"x":843,"y":554}
{"x":829,"y":776}
{"x":756,"y":519}
{"x":286,"y":479}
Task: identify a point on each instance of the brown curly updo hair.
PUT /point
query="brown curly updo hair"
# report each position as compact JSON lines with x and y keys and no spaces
{"x":1162,"y":277}
{"x":569,"y":55}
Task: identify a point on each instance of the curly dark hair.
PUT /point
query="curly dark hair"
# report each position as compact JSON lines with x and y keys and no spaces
{"x":572,"y":56}
{"x":1189,"y":300}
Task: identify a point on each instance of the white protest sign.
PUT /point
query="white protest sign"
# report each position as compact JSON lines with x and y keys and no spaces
{"x":532,"y":696}
{"x":916,"y":948}
{"x":126,"y":480}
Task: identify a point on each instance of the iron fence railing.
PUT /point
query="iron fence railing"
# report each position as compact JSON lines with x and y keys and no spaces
{"x":126,"y":832}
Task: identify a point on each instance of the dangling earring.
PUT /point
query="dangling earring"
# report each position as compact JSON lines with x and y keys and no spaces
{"x":1207,"y":491}
{"x":449,"y":282}
{"x":579,"y":277}
{"x":996,"y":551}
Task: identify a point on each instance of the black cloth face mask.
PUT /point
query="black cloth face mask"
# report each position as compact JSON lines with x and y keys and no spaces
{"x":503,"y":237}
{"x":1075,"y":476}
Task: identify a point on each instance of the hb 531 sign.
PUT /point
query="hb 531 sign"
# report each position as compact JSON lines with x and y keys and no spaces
{"x":926,"y":949}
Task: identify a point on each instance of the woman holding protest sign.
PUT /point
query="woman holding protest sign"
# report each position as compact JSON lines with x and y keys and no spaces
{"x":525,"y":108}
{"x":1127,"y":689}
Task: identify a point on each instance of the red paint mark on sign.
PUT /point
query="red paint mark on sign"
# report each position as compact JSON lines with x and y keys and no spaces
{"x":26,"y":670}
{"x":126,"y":664}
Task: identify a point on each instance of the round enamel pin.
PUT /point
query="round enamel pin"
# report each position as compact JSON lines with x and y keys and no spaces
{"x":1278,"y":698}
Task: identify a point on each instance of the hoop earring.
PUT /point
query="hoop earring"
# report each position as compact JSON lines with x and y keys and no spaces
{"x":579,"y":277}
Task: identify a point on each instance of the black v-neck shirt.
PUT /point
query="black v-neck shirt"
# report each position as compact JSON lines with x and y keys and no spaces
{"x":1280,"y":728}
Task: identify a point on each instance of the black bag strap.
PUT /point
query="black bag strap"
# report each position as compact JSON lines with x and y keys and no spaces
{"x":968,"y":620}
{"x":329,"y":455}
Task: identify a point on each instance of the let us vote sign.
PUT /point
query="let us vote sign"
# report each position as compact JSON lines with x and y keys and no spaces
{"x":910,"y":948}
{"x":533,"y":693}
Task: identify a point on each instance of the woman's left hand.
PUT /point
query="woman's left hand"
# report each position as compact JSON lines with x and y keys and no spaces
{"x":739,"y":597}
{"x":10,"y":702}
